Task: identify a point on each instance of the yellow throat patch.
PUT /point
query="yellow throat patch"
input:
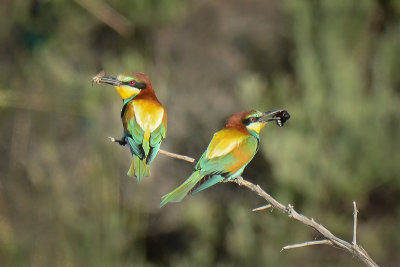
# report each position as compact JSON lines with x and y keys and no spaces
{"x":256,"y":127}
{"x":126,"y":91}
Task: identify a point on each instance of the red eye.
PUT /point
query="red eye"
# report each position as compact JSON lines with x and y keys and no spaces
{"x":132,"y":82}
{"x":252,"y":119}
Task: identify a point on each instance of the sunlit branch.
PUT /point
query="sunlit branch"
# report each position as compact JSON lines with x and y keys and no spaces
{"x":355,"y":223}
{"x":265,"y":207}
{"x":309,"y":243}
{"x":109,"y":16}
{"x":330,"y":239}
{"x":177,"y":156}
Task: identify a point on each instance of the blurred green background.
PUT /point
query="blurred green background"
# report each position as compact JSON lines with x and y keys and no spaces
{"x":65,"y":199}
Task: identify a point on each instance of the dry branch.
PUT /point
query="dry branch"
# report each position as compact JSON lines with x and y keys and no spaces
{"x":330,"y":239}
{"x":177,"y":156}
{"x":354,"y":249}
{"x":355,"y":223}
{"x":265,"y":207}
{"x":309,"y":243}
{"x":108,"y":16}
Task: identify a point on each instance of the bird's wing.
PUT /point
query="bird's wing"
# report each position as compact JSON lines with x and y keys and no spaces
{"x":156,"y":138}
{"x":134,"y":133}
{"x":135,"y":138}
{"x":228,"y":152}
{"x":164,"y":121}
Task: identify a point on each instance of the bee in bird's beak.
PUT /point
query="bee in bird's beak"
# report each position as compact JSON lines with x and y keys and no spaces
{"x":279,"y":115}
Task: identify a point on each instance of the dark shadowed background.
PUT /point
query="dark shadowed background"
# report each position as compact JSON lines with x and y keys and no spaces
{"x":65,"y":199}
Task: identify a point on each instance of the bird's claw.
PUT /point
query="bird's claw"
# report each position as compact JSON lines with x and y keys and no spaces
{"x":121,"y":142}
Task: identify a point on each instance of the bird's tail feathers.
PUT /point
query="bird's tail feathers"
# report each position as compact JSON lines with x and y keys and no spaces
{"x":206,"y":182}
{"x":179,"y":193}
{"x":139,"y":168}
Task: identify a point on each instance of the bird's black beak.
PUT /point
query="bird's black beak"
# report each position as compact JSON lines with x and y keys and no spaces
{"x":110,"y":80}
{"x":279,"y":115}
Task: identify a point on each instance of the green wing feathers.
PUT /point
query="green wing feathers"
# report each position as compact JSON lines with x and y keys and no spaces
{"x":217,"y":168}
{"x":135,"y":138}
{"x":144,"y":147}
{"x":155,"y":142}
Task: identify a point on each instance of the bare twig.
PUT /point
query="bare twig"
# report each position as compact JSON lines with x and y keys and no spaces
{"x":177,"y":156}
{"x":262,"y":207}
{"x":354,"y":249}
{"x":355,"y":224}
{"x":309,"y":243}
{"x":330,"y":238}
{"x":108,"y":16}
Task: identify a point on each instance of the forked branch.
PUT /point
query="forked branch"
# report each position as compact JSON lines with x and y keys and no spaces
{"x":329,"y":238}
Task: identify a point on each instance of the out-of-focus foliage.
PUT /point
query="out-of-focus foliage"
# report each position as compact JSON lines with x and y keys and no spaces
{"x":65,"y":199}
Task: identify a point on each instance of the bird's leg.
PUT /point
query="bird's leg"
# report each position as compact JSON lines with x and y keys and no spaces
{"x":121,"y":141}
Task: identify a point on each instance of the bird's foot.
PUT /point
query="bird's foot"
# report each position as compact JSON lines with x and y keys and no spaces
{"x":121,"y":141}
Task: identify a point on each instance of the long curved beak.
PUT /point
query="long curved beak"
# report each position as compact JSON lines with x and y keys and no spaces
{"x":279,"y":115}
{"x":110,"y":80}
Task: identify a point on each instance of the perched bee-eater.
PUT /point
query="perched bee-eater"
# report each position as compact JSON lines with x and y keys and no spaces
{"x":143,"y":117}
{"x":228,"y":153}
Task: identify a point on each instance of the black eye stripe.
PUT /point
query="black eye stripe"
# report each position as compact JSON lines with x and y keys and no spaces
{"x":138,"y":85}
{"x":249,"y":120}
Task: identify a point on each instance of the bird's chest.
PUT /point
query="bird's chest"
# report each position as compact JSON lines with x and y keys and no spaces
{"x":242,"y":155}
{"x":146,"y":114}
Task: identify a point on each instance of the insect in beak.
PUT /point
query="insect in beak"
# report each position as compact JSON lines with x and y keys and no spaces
{"x":279,"y":115}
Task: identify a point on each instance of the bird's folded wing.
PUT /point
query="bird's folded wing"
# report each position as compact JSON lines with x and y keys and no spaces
{"x":224,"y":142}
{"x":155,"y":141}
{"x":135,"y":138}
{"x":219,"y":154}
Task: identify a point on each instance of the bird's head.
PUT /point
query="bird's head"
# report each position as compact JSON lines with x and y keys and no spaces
{"x":128,"y":84}
{"x":255,"y":120}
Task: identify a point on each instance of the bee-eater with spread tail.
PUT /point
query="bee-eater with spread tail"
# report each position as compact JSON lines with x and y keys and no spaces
{"x":143,"y":117}
{"x":228,"y":153}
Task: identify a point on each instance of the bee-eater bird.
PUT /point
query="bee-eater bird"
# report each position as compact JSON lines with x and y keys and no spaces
{"x":143,"y":117}
{"x":228,"y":153}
